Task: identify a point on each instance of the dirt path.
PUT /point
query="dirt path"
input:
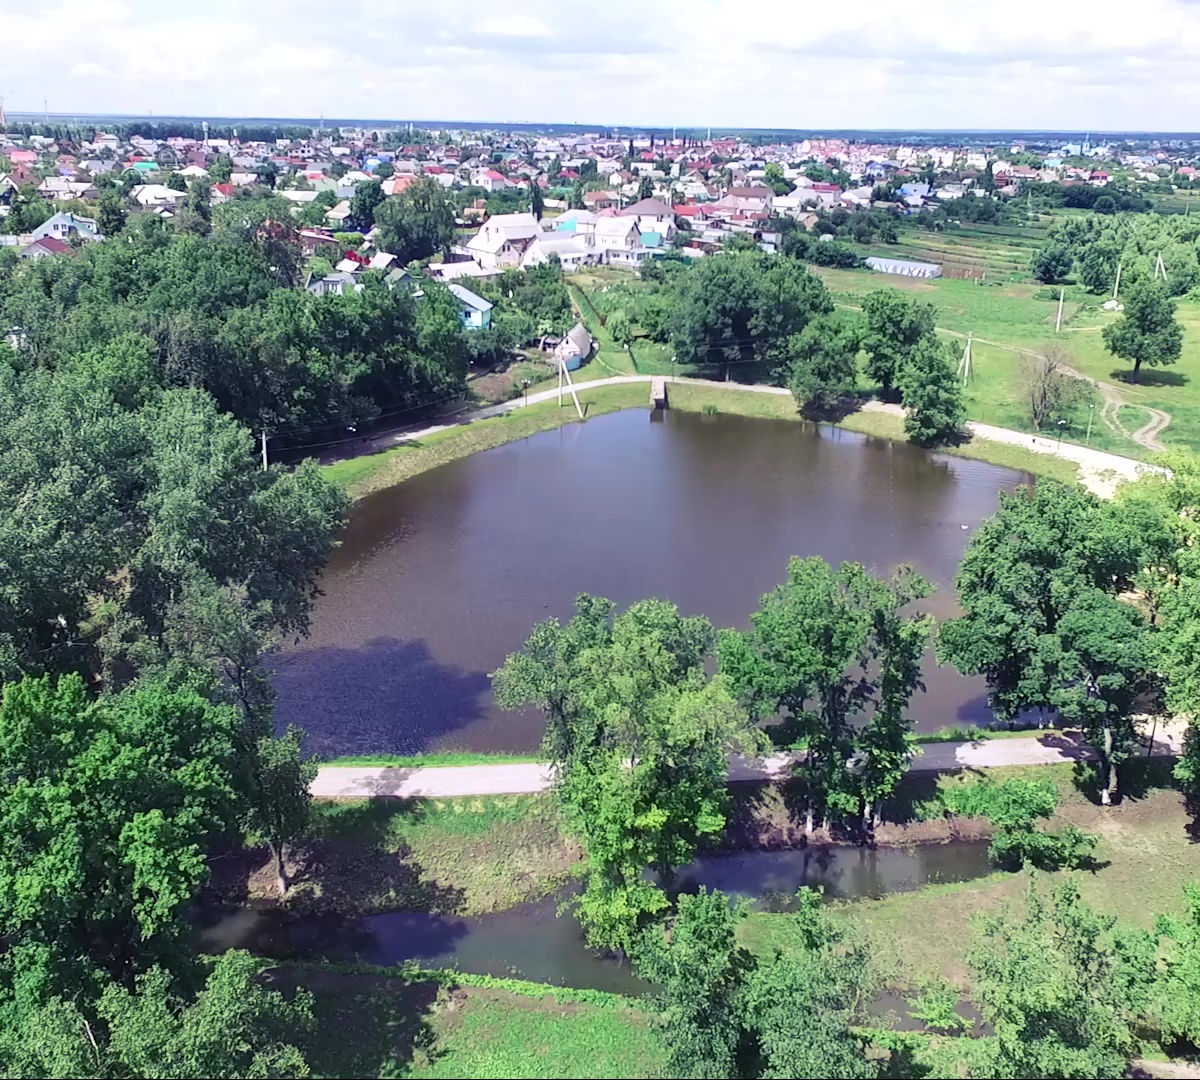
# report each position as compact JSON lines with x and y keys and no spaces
{"x":1112,"y":397}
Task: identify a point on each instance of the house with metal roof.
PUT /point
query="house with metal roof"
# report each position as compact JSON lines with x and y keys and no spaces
{"x":476,"y":312}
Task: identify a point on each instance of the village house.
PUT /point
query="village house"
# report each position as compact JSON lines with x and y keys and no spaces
{"x":503,"y":239}
{"x":63,"y":224}
{"x":574,"y":349}
{"x":475,"y":311}
{"x":490,"y":180}
{"x":47,"y":245}
{"x":571,"y":250}
{"x":655,"y":220}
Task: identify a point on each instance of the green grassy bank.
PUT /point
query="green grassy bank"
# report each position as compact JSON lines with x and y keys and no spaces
{"x":391,"y":1023}
{"x":364,"y":475}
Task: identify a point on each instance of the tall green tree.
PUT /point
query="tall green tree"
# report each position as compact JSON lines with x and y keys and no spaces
{"x":110,"y":213}
{"x":931,"y":394}
{"x":280,"y":807}
{"x":895,"y":325}
{"x":417,"y":223}
{"x":701,"y":972}
{"x":220,"y":169}
{"x":824,"y":646}
{"x":744,"y":307}
{"x":1052,"y":264}
{"x":637,"y":734}
{"x":1022,"y":570}
{"x":537,"y":201}
{"x":1175,"y":1004}
{"x":106,"y":810}
{"x":1147,"y":332}
{"x":1102,"y":668}
{"x":1053,"y":986}
{"x":368,"y":194}
{"x":822,"y":368}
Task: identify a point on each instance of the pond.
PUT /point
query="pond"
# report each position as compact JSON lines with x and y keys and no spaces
{"x":436,"y":580}
{"x":534,"y":942}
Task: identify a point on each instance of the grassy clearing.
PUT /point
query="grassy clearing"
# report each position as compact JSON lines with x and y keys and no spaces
{"x":387,"y":1024}
{"x":1018,"y":315}
{"x":426,"y":761}
{"x":1146,"y":855}
{"x":493,"y":1034}
{"x":465,"y":856}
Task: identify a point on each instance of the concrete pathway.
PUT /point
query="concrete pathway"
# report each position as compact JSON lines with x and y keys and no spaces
{"x":1100,"y":471}
{"x":459,"y":781}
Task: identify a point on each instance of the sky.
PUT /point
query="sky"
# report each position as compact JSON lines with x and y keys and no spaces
{"x":1087,"y":65}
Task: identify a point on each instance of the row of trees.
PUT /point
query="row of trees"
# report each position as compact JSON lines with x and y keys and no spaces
{"x":750,"y":308}
{"x":1091,"y":247}
{"x":637,"y":730}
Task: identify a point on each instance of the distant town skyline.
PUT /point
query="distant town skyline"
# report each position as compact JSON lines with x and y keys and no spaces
{"x":1059,"y":65}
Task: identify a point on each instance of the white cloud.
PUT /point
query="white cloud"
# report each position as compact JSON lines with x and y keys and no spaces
{"x":513,"y":26}
{"x":1059,"y":64}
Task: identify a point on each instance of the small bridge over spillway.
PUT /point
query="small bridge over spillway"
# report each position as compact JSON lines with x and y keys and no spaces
{"x":658,"y":392}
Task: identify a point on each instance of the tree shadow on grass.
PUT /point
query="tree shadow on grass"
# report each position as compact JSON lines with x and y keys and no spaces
{"x":1139,"y":776}
{"x":365,"y":1025}
{"x":1149,"y":376}
{"x":351,"y":861}
{"x":354,"y":859}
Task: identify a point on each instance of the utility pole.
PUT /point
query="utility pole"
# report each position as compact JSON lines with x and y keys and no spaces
{"x":263,"y":438}
{"x":1160,"y":268}
{"x":964,"y":365}
{"x":1058,"y":322}
{"x":1117,"y":283}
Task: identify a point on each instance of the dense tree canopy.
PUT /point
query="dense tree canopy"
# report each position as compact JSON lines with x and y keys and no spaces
{"x":744,"y":307}
{"x":417,"y":223}
{"x":931,"y":394}
{"x":221,"y":313}
{"x":895,"y":325}
{"x":826,"y":648}
{"x":1038,"y":584}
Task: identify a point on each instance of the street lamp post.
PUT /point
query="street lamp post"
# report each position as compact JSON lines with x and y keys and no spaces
{"x":1061,"y":424}
{"x":525,"y":387}
{"x":1091,"y":413}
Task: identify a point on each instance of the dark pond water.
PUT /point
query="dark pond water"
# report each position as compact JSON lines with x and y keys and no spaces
{"x":438,"y":579}
{"x":534,"y":942}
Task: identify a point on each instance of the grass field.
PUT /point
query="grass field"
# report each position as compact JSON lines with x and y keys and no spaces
{"x":389,"y":1024}
{"x":1007,"y":318}
{"x":1146,"y":855}
{"x":465,"y":856}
